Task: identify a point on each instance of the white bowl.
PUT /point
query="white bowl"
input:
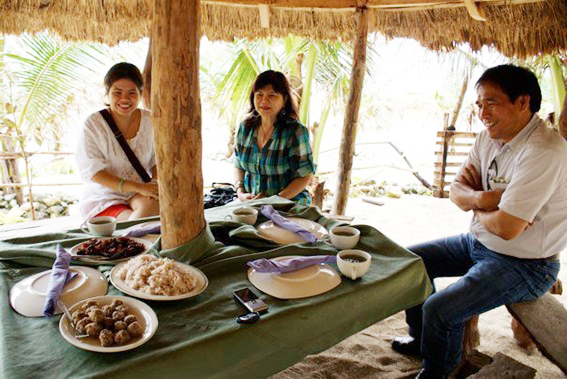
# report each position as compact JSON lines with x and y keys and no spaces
{"x":141,"y":310}
{"x":202,"y":283}
{"x":283,"y":236}
{"x":96,"y":259}
{"x":28,"y":296}
{"x":344,"y":237}
{"x":306,"y":282}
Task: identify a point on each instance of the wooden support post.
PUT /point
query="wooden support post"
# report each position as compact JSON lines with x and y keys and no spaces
{"x":176,"y":119}
{"x":264,"y":15}
{"x":441,"y":190}
{"x":351,"y":114}
{"x":147,"y":75}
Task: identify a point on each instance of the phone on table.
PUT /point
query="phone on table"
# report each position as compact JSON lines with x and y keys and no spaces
{"x":250,"y":300}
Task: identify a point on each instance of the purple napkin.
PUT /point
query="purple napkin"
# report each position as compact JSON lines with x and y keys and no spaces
{"x":290,"y":264}
{"x":156,"y":229}
{"x":59,"y":276}
{"x":287,"y":224}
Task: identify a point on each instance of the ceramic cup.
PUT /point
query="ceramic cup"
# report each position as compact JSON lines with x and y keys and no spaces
{"x":344,"y":237}
{"x":247,"y":215}
{"x":102,"y":226}
{"x":353,"y":263}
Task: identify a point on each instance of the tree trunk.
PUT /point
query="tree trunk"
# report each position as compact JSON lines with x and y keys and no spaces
{"x":459,"y":104}
{"x":176,"y":119}
{"x":147,"y":74}
{"x":351,"y":116}
{"x":563,"y":119}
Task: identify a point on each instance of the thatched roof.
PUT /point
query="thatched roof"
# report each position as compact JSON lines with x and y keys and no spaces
{"x":514,"y":27}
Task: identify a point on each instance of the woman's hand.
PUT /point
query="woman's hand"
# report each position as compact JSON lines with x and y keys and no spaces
{"x":244,"y":196}
{"x":149,"y":189}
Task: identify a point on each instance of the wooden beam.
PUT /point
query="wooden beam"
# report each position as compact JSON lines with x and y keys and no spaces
{"x":176,"y":119}
{"x":264,"y":15}
{"x":475,"y":11}
{"x":346,"y":152}
{"x":452,"y":153}
{"x":459,"y":134}
{"x":353,"y":4}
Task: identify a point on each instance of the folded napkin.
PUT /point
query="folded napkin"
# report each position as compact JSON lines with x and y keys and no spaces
{"x":150,"y":229}
{"x":289,"y":264}
{"x":287,"y":224}
{"x":59,"y":276}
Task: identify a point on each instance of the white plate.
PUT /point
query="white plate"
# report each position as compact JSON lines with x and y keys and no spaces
{"x":149,"y":224}
{"x":142,"y":311}
{"x":309,"y":281}
{"x":202,"y":283}
{"x":27,"y":297}
{"x":93,"y":258}
{"x":282,"y":236}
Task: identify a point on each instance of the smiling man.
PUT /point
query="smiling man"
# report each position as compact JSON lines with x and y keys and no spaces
{"x":515,"y":182}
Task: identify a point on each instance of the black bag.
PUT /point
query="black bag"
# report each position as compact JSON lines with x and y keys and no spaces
{"x":221,"y":194}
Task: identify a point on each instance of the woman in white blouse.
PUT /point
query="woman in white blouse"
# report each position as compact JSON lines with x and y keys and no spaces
{"x":113,"y":187}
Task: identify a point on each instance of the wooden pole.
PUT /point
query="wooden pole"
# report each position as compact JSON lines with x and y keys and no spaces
{"x":351,"y":116}
{"x":176,"y":119}
{"x":147,"y":75}
{"x":446,"y":134}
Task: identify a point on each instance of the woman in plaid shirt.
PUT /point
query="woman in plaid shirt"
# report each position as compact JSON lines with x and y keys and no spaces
{"x":272,"y":151}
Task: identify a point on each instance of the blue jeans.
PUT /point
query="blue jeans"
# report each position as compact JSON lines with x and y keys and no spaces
{"x":489,"y":280}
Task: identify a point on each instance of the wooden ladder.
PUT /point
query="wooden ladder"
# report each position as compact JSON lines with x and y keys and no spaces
{"x":453,"y":150}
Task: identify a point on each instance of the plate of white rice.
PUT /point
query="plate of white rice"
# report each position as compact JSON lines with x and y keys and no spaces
{"x":151,"y":278}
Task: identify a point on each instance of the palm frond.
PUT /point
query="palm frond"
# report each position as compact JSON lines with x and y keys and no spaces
{"x":45,"y":74}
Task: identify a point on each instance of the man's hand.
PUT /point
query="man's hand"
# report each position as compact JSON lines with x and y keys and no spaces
{"x":470,"y":177}
{"x":489,"y":200}
{"x":467,"y":192}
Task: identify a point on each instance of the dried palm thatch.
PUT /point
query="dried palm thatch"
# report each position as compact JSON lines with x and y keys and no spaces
{"x":514,"y":27}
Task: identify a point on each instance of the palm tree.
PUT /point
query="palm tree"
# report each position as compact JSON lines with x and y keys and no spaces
{"x":324,"y":66}
{"x":41,"y":76}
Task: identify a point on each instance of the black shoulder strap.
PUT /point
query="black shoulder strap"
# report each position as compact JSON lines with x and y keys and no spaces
{"x":124,"y":144}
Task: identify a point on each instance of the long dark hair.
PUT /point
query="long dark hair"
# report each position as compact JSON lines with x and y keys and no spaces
{"x":280,"y":85}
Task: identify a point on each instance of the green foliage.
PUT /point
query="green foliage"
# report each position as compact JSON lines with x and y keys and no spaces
{"x":43,"y":77}
{"x":326,"y":69}
{"x":12,"y":216}
{"x":59,"y":167}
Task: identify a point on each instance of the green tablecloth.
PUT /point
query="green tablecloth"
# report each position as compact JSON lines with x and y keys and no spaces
{"x":199,"y":337}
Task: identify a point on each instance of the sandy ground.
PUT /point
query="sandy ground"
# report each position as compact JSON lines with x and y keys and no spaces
{"x":410,"y":220}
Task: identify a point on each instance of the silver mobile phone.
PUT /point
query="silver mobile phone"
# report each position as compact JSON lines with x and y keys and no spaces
{"x":250,"y":300}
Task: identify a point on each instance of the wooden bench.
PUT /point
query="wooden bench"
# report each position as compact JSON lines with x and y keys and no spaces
{"x":546,"y":320}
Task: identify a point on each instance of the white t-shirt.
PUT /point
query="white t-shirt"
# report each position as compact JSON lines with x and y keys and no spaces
{"x":532,"y":168}
{"x":98,"y":150}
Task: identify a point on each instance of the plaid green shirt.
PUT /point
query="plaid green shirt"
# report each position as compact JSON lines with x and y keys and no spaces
{"x":286,"y":156}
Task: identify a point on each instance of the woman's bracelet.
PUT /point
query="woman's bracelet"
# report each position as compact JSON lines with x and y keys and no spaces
{"x":121,"y":185}
{"x":239,"y":184}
